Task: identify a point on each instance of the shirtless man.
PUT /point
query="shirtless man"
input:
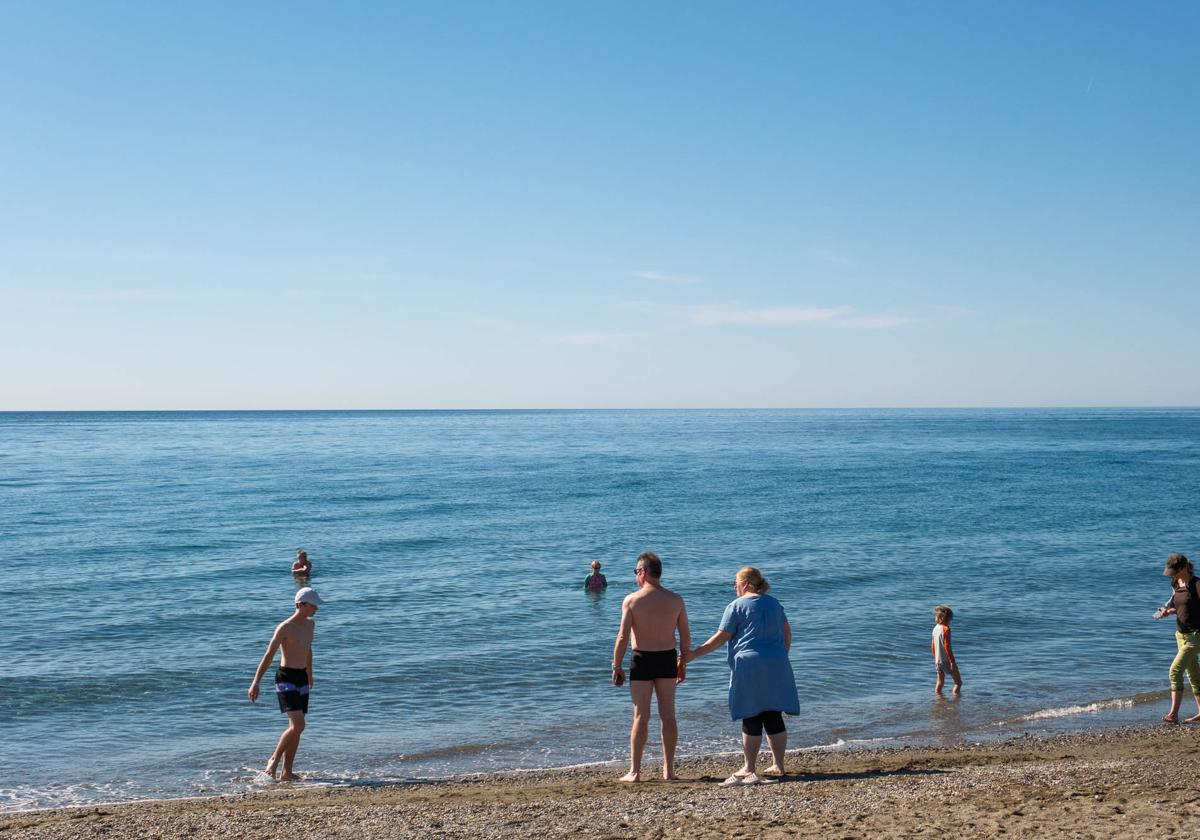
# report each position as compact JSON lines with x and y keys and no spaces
{"x":650,"y":617}
{"x":294,"y":679}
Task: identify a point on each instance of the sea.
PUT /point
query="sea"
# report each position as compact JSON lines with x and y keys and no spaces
{"x":145,"y":560}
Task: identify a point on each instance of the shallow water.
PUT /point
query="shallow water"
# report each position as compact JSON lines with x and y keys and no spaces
{"x":146,"y":561}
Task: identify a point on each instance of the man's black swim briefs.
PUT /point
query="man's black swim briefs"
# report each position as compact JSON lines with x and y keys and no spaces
{"x":653,"y":665}
{"x":291,"y":687}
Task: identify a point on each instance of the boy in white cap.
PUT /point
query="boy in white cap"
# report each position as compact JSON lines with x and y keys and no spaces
{"x":294,"y":679}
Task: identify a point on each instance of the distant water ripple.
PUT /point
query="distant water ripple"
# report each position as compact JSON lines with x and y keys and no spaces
{"x":146,"y":555}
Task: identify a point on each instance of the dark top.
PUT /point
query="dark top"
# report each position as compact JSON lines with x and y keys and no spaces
{"x":1186,"y":602}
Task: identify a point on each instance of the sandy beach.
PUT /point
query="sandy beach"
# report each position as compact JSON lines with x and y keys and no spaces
{"x":1116,"y":784}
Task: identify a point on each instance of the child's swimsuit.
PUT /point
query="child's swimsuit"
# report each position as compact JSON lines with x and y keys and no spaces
{"x":941,"y":660}
{"x":291,"y":687}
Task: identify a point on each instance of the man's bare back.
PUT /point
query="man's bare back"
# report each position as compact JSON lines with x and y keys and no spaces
{"x":654,"y":616}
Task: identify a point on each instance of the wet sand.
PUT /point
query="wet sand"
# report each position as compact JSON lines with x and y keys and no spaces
{"x":1131,"y":783}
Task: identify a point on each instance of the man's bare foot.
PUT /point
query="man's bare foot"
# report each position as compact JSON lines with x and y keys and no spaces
{"x":630,"y":777}
{"x":1170,"y":719}
{"x":272,"y":766}
{"x":670,"y":777}
{"x":773,"y":770}
{"x":289,"y":776}
{"x":1193,"y":719}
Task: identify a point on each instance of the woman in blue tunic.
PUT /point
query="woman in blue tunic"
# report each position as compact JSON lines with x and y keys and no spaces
{"x":761,"y":684}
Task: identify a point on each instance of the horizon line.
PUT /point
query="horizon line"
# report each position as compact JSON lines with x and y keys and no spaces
{"x":989,"y":407}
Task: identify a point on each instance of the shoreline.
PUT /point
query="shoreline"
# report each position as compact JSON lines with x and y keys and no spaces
{"x":1128,"y":782}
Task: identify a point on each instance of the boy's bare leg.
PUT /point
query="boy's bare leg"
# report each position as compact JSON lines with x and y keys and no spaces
{"x":957,"y":680}
{"x":292,"y":734}
{"x":664,"y":691}
{"x":640,"y":691}
{"x":941,"y":680}
{"x":273,"y":761}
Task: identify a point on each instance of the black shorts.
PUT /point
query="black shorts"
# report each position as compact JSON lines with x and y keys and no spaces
{"x":291,"y":687}
{"x":771,"y":721}
{"x":653,"y":665}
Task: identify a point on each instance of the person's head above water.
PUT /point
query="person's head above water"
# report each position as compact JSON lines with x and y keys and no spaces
{"x":595,"y":565}
{"x":942,"y":614}
{"x":649,"y":564}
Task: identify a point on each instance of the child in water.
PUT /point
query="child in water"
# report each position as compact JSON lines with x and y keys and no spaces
{"x":943,"y":654}
{"x":595,"y":582}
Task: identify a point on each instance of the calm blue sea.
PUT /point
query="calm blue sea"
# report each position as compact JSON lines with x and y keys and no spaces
{"x":145,"y":560}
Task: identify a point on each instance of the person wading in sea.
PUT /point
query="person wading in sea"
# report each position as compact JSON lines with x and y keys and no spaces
{"x":293,"y":680}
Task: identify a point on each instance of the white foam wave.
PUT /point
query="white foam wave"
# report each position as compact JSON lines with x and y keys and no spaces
{"x":1084,"y":709}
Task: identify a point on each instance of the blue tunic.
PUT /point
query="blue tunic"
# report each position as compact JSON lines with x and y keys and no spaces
{"x":760,"y":675}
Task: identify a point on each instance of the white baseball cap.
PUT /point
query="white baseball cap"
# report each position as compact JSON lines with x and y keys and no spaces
{"x":308,"y":595}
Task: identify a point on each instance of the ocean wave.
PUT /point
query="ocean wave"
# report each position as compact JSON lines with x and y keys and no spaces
{"x":1081,"y":709}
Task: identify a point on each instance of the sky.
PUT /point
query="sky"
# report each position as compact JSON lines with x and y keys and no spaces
{"x":598,"y":205}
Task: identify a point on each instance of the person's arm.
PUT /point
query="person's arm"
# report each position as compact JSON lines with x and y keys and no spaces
{"x":715,"y":641}
{"x":685,"y":643}
{"x":622,"y":643}
{"x":273,"y":646}
{"x":787,"y":636}
{"x":950,"y":659}
{"x":310,"y":670}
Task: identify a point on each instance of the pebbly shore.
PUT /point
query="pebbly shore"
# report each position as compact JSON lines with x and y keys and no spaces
{"x":1129,"y":783}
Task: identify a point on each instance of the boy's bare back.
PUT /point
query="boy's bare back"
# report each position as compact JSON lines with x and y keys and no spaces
{"x":295,"y":637}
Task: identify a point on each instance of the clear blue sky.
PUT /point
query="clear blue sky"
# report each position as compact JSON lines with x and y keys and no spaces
{"x":579,"y":204}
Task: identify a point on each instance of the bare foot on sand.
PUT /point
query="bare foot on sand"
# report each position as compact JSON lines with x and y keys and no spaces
{"x":1170,"y":719}
{"x":669,"y":776}
{"x":1193,"y":719}
{"x":630,"y":777}
{"x":272,"y":766}
{"x":289,"y":776}
{"x":773,"y":771}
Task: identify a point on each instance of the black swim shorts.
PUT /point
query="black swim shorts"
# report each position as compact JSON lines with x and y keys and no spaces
{"x":653,"y":665}
{"x":291,"y":687}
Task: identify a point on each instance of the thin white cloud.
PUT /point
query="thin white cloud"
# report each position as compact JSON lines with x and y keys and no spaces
{"x":112,"y":296}
{"x":664,"y":277}
{"x":831,"y":257}
{"x":875,"y":322}
{"x":709,"y":316}
{"x":586,"y":339}
{"x":833,"y":316}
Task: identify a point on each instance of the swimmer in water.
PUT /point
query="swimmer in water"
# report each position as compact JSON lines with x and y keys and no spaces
{"x":595,"y":582}
{"x":302,"y":566}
